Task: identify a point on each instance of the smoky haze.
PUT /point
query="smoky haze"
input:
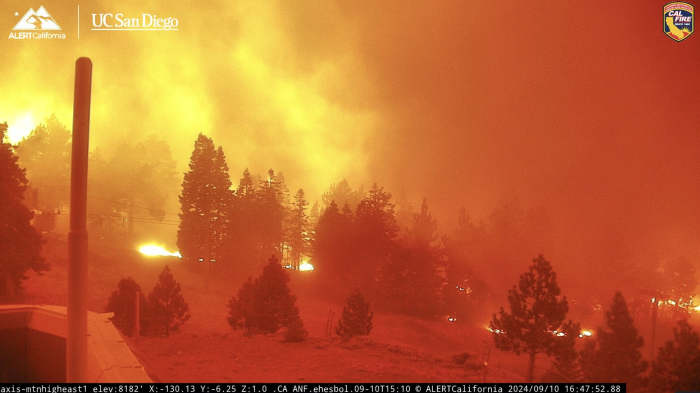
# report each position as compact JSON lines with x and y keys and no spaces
{"x":589,"y":114}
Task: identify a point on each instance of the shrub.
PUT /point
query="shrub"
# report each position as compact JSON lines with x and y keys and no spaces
{"x":265,"y":304}
{"x":356,"y":319}
{"x":122,"y":304}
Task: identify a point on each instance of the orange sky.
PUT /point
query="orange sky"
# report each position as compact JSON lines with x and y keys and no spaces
{"x":586,"y":109}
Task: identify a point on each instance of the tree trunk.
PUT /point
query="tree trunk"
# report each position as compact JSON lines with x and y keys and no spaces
{"x":531,"y":367}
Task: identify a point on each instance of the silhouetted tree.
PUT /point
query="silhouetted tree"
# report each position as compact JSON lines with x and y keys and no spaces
{"x":242,"y":242}
{"x":536,"y":310}
{"x":241,"y":308}
{"x":204,"y":203}
{"x":295,"y":328}
{"x":265,"y":304}
{"x":272,"y":200}
{"x":122,"y":303}
{"x":19,"y":241}
{"x":45,"y":155}
{"x":465,"y":290}
{"x":341,"y":193}
{"x":333,"y":252}
{"x":356,"y":319}
{"x":298,"y":228}
{"x":615,"y":354}
{"x":134,"y":183}
{"x":565,"y":367}
{"x":677,"y":366}
{"x":167,"y":306}
{"x":374,"y":240}
{"x":409,"y":282}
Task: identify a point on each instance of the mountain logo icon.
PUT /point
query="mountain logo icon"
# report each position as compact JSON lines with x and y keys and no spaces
{"x":37,"y":20}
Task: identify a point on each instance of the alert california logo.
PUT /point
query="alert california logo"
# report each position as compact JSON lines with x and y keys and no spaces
{"x":36,"y":25}
{"x":679,"y":20}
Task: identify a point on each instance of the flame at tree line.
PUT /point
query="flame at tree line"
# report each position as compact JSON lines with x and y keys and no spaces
{"x":155,"y":250}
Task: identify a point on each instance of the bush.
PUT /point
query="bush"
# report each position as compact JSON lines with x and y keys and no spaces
{"x":265,"y":304}
{"x":167,"y":308}
{"x":356,"y":319}
{"x":122,"y":304}
{"x":295,"y":329}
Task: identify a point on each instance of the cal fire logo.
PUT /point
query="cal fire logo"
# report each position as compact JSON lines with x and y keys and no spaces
{"x":36,"y":25}
{"x":679,"y":20}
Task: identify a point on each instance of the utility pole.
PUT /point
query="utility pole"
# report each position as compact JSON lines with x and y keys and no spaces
{"x":76,"y":344}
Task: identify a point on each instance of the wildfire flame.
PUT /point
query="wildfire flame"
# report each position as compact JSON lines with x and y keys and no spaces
{"x":688,"y":304}
{"x":305,"y":266}
{"x":154,"y":250}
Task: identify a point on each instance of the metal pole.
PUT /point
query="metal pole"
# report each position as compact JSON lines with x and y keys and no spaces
{"x":76,"y":343}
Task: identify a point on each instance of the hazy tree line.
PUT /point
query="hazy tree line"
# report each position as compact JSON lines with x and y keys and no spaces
{"x":253,"y":217}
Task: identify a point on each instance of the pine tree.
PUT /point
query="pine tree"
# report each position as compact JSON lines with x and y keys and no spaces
{"x":166,"y":303}
{"x":615,"y":355}
{"x":409,"y":282}
{"x":298,"y":229}
{"x":272,"y":200}
{"x":295,"y":328}
{"x":375,"y":231}
{"x":20,"y":242}
{"x":333,"y":252}
{"x":677,"y":366}
{"x":45,"y":155}
{"x":204,"y":203}
{"x":565,"y":367}
{"x":241,"y":242}
{"x":536,"y":310}
{"x":265,"y":304}
{"x":357,"y":317}
{"x":122,"y":303}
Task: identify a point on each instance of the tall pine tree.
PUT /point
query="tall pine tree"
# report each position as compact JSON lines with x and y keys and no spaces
{"x":298,"y":226}
{"x":536,"y":310}
{"x":677,"y":366}
{"x":615,"y":354}
{"x":20,"y":242}
{"x":204,"y":203}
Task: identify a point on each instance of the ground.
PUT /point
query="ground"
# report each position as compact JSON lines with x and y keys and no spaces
{"x":206,"y":349}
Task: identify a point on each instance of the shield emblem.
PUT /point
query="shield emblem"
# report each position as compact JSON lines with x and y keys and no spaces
{"x":679,"y":20}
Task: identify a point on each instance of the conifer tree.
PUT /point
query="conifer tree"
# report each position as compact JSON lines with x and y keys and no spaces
{"x":20,"y":242}
{"x":536,"y":310}
{"x":298,"y":229}
{"x":357,"y":317}
{"x":677,"y":365}
{"x":265,"y":304}
{"x":565,"y":367}
{"x":409,"y":282}
{"x":166,"y":304}
{"x":615,"y":354}
{"x":204,"y":203}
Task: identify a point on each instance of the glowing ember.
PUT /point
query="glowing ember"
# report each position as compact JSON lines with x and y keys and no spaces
{"x":450,"y":318}
{"x":154,"y":250}
{"x":305,"y":266}
{"x":495,"y":331}
{"x":585,"y":333}
{"x":696,"y":308}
